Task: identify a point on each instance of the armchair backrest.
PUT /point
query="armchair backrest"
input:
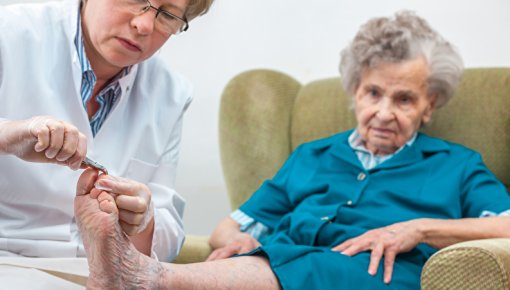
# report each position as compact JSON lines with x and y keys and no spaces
{"x":265,"y":114}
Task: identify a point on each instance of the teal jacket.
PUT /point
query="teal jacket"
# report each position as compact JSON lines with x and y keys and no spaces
{"x":323,"y":196}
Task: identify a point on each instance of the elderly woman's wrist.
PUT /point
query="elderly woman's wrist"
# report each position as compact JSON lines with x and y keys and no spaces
{"x":422,"y":227}
{"x":436,"y":233}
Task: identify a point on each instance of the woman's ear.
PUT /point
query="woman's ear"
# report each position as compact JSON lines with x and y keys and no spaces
{"x":431,"y":107}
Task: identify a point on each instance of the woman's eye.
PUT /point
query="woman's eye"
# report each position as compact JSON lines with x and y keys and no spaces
{"x":168,"y":17}
{"x":405,"y":100}
{"x":374,"y":93}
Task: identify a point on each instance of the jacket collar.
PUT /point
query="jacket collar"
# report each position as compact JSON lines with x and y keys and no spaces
{"x":423,"y":145}
{"x":70,"y":10}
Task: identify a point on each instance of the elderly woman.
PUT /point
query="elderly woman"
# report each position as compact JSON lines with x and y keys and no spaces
{"x":363,"y":209}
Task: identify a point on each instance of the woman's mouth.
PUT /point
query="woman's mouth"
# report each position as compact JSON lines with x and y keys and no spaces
{"x":382,"y":132}
{"x":129,"y":45}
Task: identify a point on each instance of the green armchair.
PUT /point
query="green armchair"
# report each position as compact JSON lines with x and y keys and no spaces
{"x":265,"y":114}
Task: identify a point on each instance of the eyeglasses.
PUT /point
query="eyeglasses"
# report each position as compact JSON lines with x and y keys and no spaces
{"x":165,"y":21}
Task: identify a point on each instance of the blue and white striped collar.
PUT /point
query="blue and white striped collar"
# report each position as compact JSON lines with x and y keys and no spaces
{"x":368,"y":159}
{"x":110,"y":95}
{"x":357,"y":143}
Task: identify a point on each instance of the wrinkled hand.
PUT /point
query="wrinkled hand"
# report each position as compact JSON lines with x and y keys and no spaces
{"x":43,"y":139}
{"x":133,"y":199}
{"x":242,"y":243}
{"x":388,"y":242}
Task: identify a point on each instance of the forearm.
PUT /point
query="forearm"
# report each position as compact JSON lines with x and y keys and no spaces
{"x":224,"y":232}
{"x":5,"y":136}
{"x":442,"y":233}
{"x":3,"y":149}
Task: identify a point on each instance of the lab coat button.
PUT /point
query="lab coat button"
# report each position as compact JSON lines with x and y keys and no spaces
{"x":361,"y":176}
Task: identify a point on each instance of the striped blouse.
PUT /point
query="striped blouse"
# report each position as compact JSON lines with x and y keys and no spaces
{"x":108,"y":96}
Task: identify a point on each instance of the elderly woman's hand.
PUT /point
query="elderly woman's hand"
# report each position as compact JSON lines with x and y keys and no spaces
{"x":387,"y":241}
{"x":241,"y":243}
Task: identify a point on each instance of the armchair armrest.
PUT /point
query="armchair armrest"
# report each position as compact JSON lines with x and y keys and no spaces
{"x":479,"y":264}
{"x":195,"y":249}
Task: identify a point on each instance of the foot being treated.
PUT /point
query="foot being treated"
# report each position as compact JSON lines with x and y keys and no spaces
{"x":114,"y":262}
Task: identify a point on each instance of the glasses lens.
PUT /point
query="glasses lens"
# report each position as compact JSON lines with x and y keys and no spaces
{"x":135,"y":6}
{"x":169,"y":23}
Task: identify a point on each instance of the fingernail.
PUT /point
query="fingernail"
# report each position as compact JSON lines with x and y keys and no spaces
{"x":61,"y":159}
{"x":50,"y":154}
{"x":115,"y":178}
{"x":101,"y":186}
{"x":38,"y":147}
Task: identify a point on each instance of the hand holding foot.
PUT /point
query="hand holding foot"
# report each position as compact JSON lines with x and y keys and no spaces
{"x":114,"y":263}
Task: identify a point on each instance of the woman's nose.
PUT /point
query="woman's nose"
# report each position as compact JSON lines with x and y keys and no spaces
{"x":144,"y":23}
{"x":385,"y":111}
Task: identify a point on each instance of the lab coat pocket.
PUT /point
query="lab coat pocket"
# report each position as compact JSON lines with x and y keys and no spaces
{"x":140,"y":170}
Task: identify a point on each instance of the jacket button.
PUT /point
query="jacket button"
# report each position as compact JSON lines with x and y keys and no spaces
{"x":361,"y":176}
{"x":324,"y":218}
{"x":349,"y":202}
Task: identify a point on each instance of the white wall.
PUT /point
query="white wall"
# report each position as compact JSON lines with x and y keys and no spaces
{"x":302,"y":38}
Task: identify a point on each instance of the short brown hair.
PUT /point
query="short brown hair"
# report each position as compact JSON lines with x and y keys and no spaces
{"x":197,"y":8}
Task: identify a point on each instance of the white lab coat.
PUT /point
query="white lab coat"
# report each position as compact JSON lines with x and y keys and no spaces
{"x":40,"y":75}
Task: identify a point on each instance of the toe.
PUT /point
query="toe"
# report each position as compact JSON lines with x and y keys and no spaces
{"x":107,"y":203}
{"x":86,"y":181}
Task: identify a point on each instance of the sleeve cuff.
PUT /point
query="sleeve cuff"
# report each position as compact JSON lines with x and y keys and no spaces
{"x":249,"y":225}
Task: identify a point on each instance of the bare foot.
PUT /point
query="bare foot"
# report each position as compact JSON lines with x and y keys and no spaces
{"x":114,"y":263}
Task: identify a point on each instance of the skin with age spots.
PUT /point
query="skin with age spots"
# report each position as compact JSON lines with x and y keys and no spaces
{"x":112,"y":258}
{"x":114,"y":263}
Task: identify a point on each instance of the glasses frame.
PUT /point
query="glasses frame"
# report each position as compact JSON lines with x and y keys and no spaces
{"x":149,"y":5}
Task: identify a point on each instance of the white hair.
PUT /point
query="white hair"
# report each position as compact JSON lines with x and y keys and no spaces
{"x":404,"y":37}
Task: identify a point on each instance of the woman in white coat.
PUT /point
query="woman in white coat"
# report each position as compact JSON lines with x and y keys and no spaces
{"x":78,"y":78}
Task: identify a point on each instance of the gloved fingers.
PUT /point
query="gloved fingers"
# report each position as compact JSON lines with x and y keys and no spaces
{"x":69,"y":143}
{"x":132,"y":222}
{"x":131,"y":217}
{"x":135,"y":204}
{"x":37,"y":128}
{"x":129,"y":229}
{"x":59,"y":140}
{"x":56,"y":131}
{"x":121,"y":185}
{"x":74,"y":162}
{"x":133,"y":199}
